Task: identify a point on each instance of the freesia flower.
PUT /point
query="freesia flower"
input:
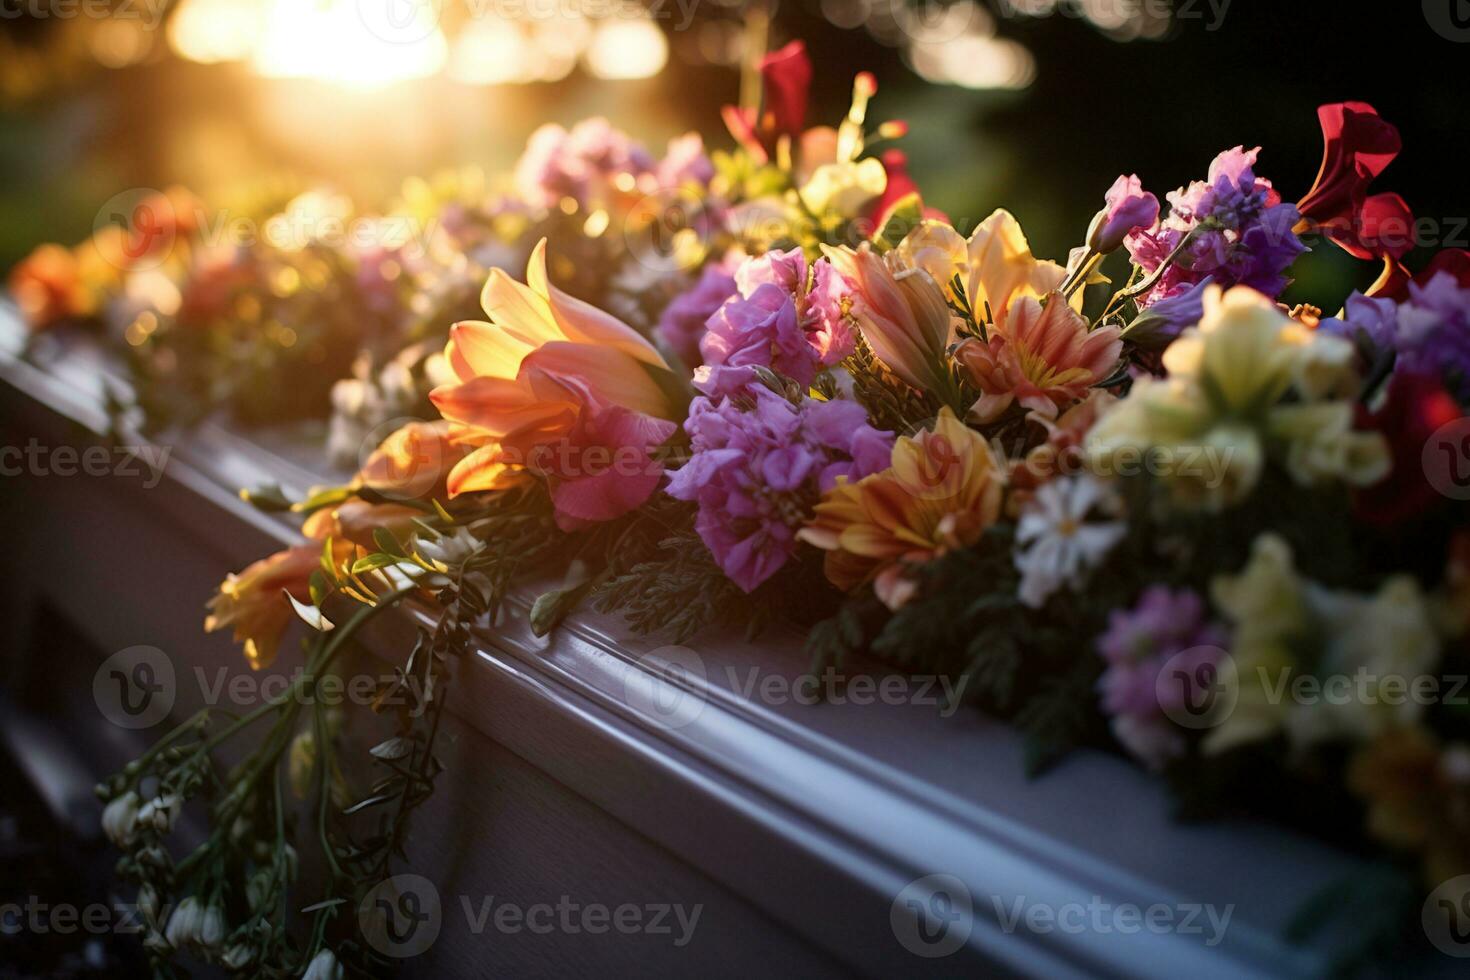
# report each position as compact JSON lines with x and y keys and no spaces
{"x":252,"y":603}
{"x":1358,"y":145}
{"x":1041,"y":356}
{"x":1237,"y":229}
{"x":1248,"y":384}
{"x":941,"y":490}
{"x":1061,"y":452}
{"x":1058,"y":544}
{"x":995,"y":265}
{"x":1164,"y":628}
{"x":526,"y":377}
{"x":1129,"y":207}
{"x":758,"y":467}
{"x":901,"y":313}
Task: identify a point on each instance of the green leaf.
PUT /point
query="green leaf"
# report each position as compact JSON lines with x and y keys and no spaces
{"x":268,"y":498}
{"x":322,"y":497}
{"x":373,"y":562}
{"x":387,"y":543}
{"x":318,"y":586}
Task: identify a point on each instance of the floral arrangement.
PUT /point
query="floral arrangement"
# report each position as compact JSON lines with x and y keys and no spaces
{"x":1147,"y":515}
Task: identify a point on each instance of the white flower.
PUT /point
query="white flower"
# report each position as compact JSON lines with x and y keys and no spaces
{"x":212,"y":927}
{"x":161,"y":812}
{"x":120,"y":819}
{"x":323,"y":966}
{"x":1060,"y":547}
{"x":184,"y":924}
{"x":238,"y":956}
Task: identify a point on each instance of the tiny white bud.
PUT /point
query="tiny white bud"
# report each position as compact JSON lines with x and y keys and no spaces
{"x":120,"y":819}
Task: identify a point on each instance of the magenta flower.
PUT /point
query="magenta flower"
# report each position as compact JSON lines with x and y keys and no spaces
{"x":749,"y":332}
{"x":818,"y":292}
{"x":1129,"y":208}
{"x":603,"y":468}
{"x":681,"y":325}
{"x":1164,"y":628}
{"x":758,"y":467}
{"x":1238,"y":231}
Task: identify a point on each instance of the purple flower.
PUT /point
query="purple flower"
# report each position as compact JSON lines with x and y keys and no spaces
{"x":1165,"y":628}
{"x":1168,"y":316}
{"x":760,"y":463}
{"x":1429,"y":331}
{"x":749,"y":332}
{"x":581,"y":163}
{"x":1129,"y":207}
{"x":681,"y":325}
{"x":1238,"y":231}
{"x":818,"y":291}
{"x":685,"y":163}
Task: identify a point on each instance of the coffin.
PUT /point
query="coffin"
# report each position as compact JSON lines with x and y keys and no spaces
{"x":596,"y":770}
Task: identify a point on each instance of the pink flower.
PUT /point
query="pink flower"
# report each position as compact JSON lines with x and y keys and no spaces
{"x":1042,"y":356}
{"x":1129,"y":207}
{"x":604,"y":467}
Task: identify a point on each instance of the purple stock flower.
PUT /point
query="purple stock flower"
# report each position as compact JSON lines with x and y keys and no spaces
{"x":749,"y":332}
{"x":1429,"y":331}
{"x":818,"y":291}
{"x":685,"y":162}
{"x":758,"y":467}
{"x":1129,"y":207}
{"x":681,"y":324}
{"x":1242,"y":233}
{"x":788,"y":316}
{"x":580,"y":163}
{"x":1165,"y":628}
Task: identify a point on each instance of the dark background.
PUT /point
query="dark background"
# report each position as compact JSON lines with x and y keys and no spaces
{"x":75,"y":133}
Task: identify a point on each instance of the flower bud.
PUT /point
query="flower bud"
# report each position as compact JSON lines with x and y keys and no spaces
{"x":238,"y":957}
{"x":161,"y":812}
{"x":120,"y":819}
{"x":184,"y":924}
{"x":1129,"y":207}
{"x":323,"y":966}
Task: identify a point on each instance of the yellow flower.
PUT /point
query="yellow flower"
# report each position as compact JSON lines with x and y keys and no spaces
{"x":252,"y":603}
{"x":941,"y":491}
{"x":1248,"y":384}
{"x":995,"y":265}
{"x":1361,"y":650}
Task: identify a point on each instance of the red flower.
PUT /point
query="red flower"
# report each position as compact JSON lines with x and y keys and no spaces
{"x":1394,"y":281}
{"x":1417,"y":405}
{"x":1358,"y":145}
{"x":787,"y":77}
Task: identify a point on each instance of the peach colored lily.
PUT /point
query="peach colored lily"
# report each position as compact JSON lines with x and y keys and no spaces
{"x":526,"y":376}
{"x":1042,"y":356}
{"x":901,"y":313}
